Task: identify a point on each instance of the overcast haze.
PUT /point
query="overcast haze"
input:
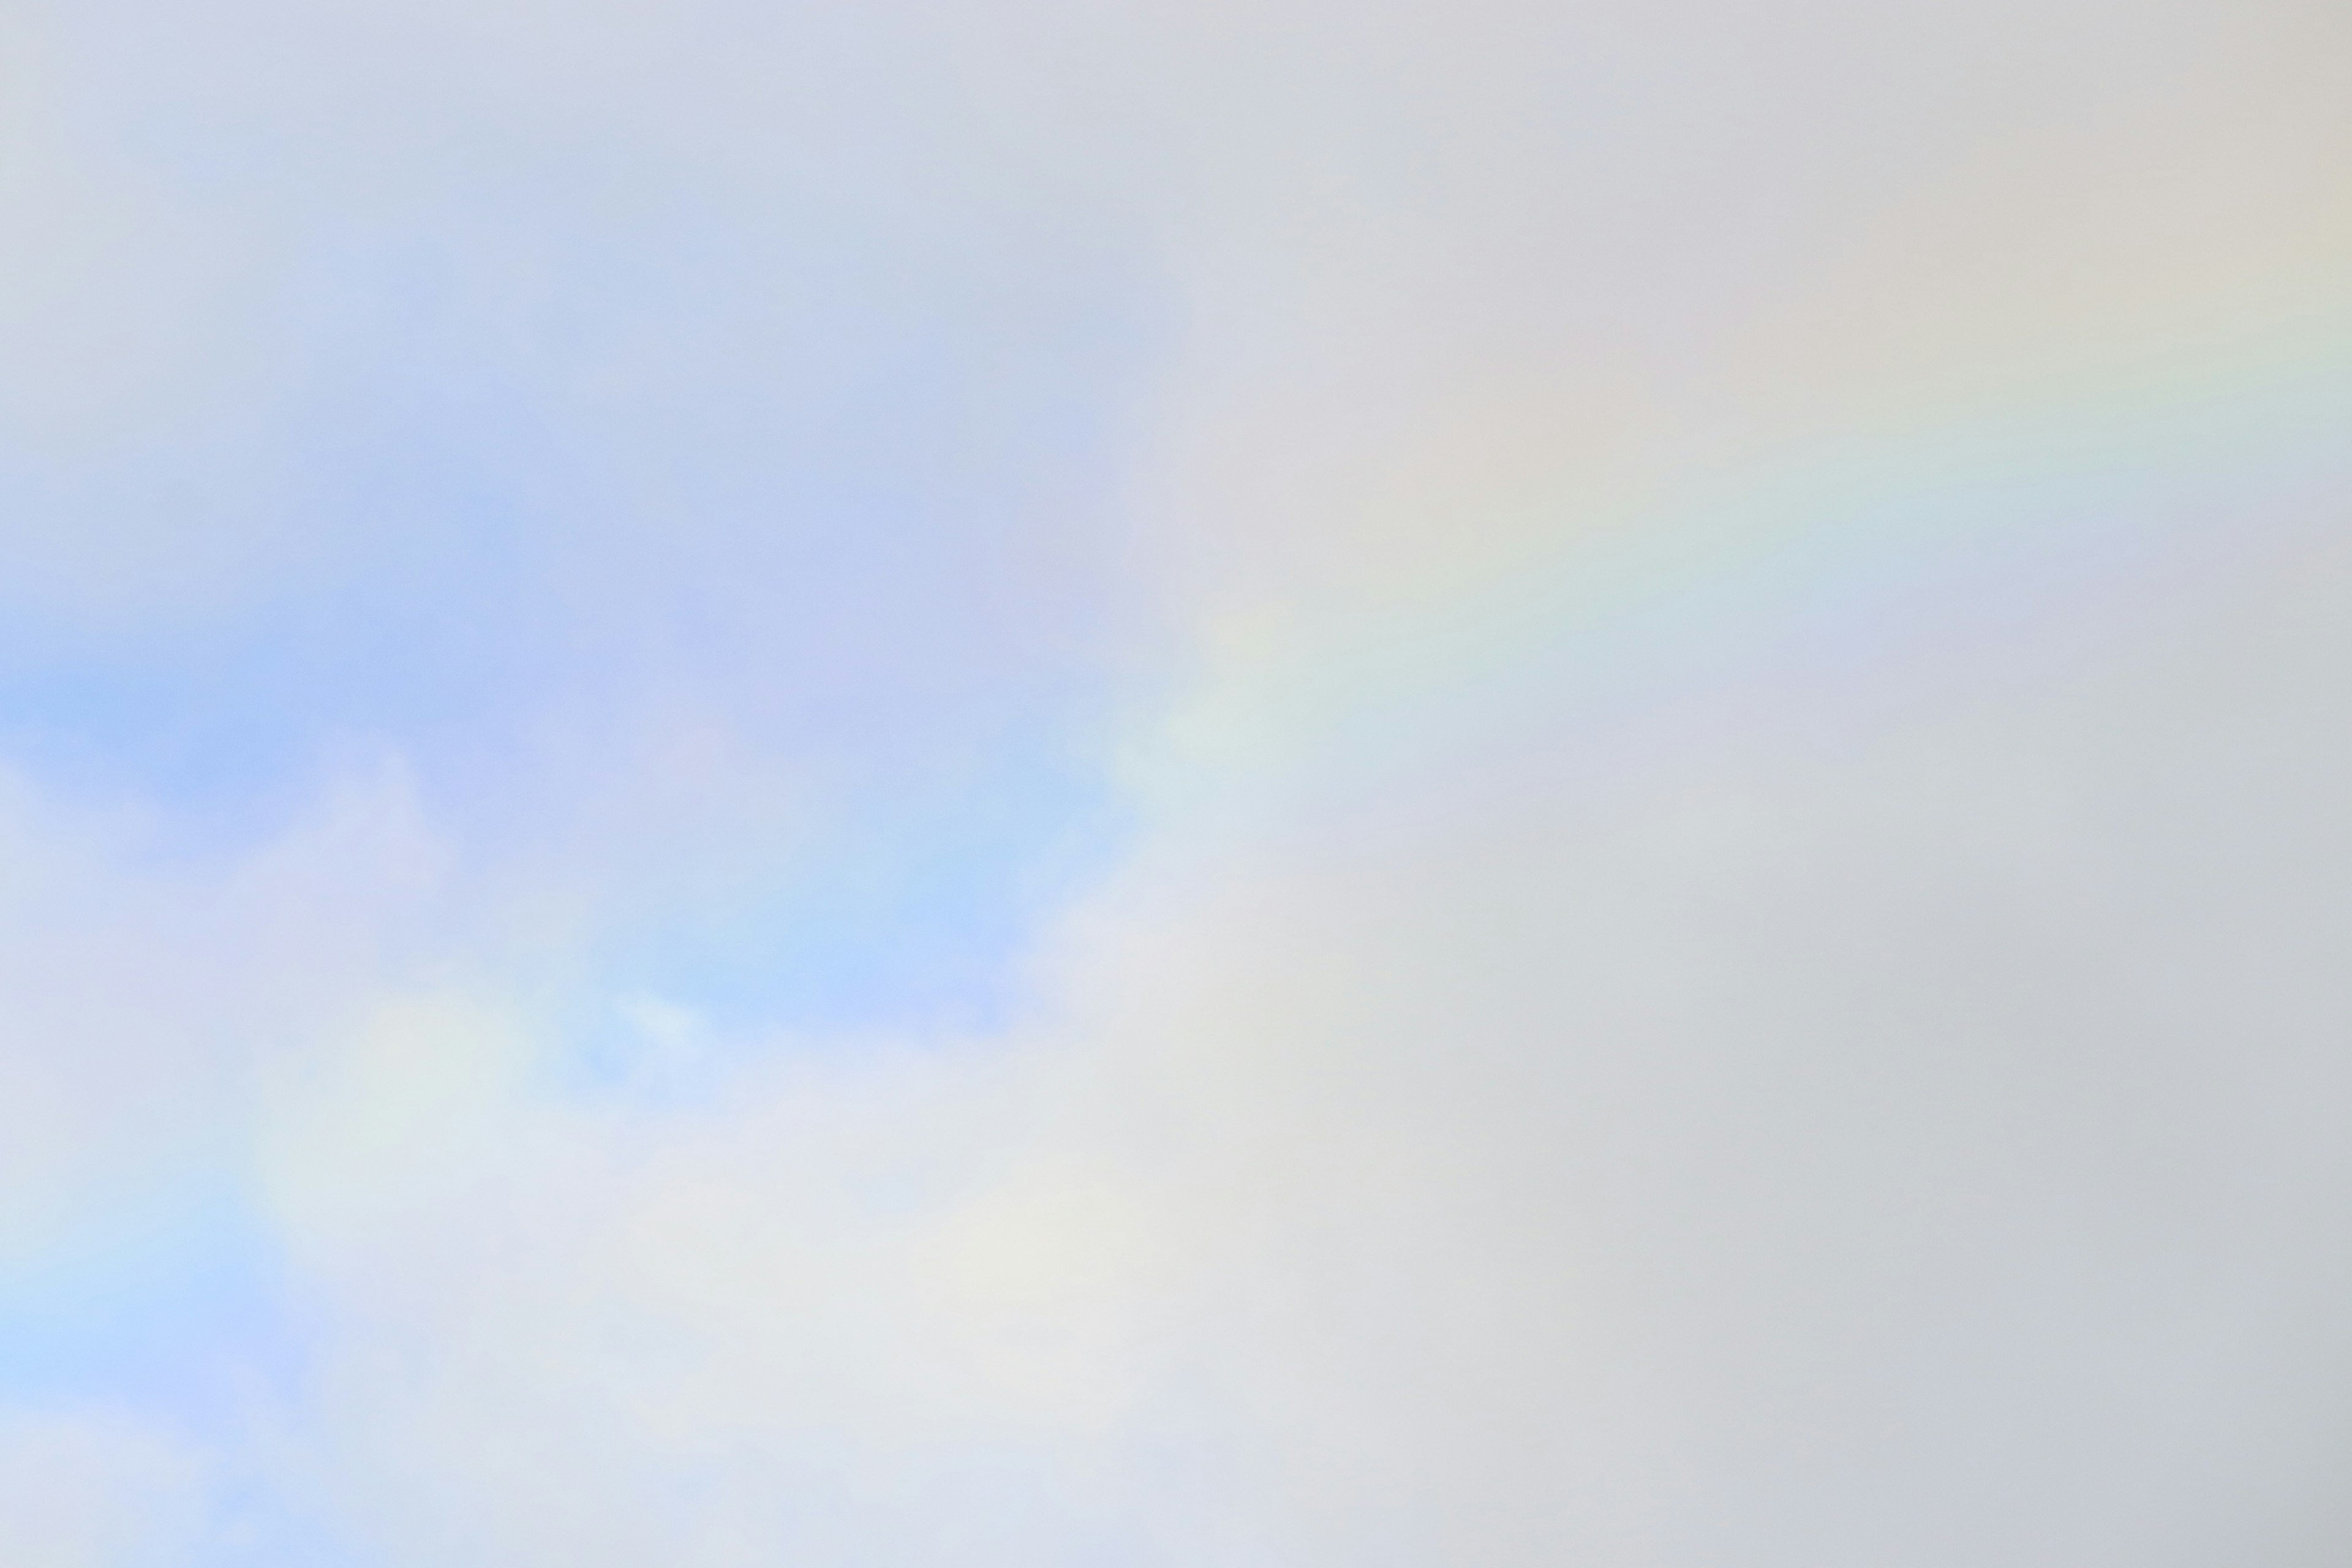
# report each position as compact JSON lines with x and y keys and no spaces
{"x":1175,"y":786}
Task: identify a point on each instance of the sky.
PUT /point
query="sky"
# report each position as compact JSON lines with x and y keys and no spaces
{"x":994,"y":781}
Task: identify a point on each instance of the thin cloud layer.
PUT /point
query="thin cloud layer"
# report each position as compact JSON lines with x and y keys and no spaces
{"x":923,"y":787}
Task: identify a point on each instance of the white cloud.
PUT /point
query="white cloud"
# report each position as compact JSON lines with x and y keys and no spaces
{"x":1893,"y":1133}
{"x":143,"y":995}
{"x":96,"y":1490}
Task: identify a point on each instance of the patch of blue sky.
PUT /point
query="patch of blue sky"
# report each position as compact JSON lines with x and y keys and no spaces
{"x":255,"y":1523}
{"x":913,"y":913}
{"x":540,"y":458}
{"x":170,"y":1302}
